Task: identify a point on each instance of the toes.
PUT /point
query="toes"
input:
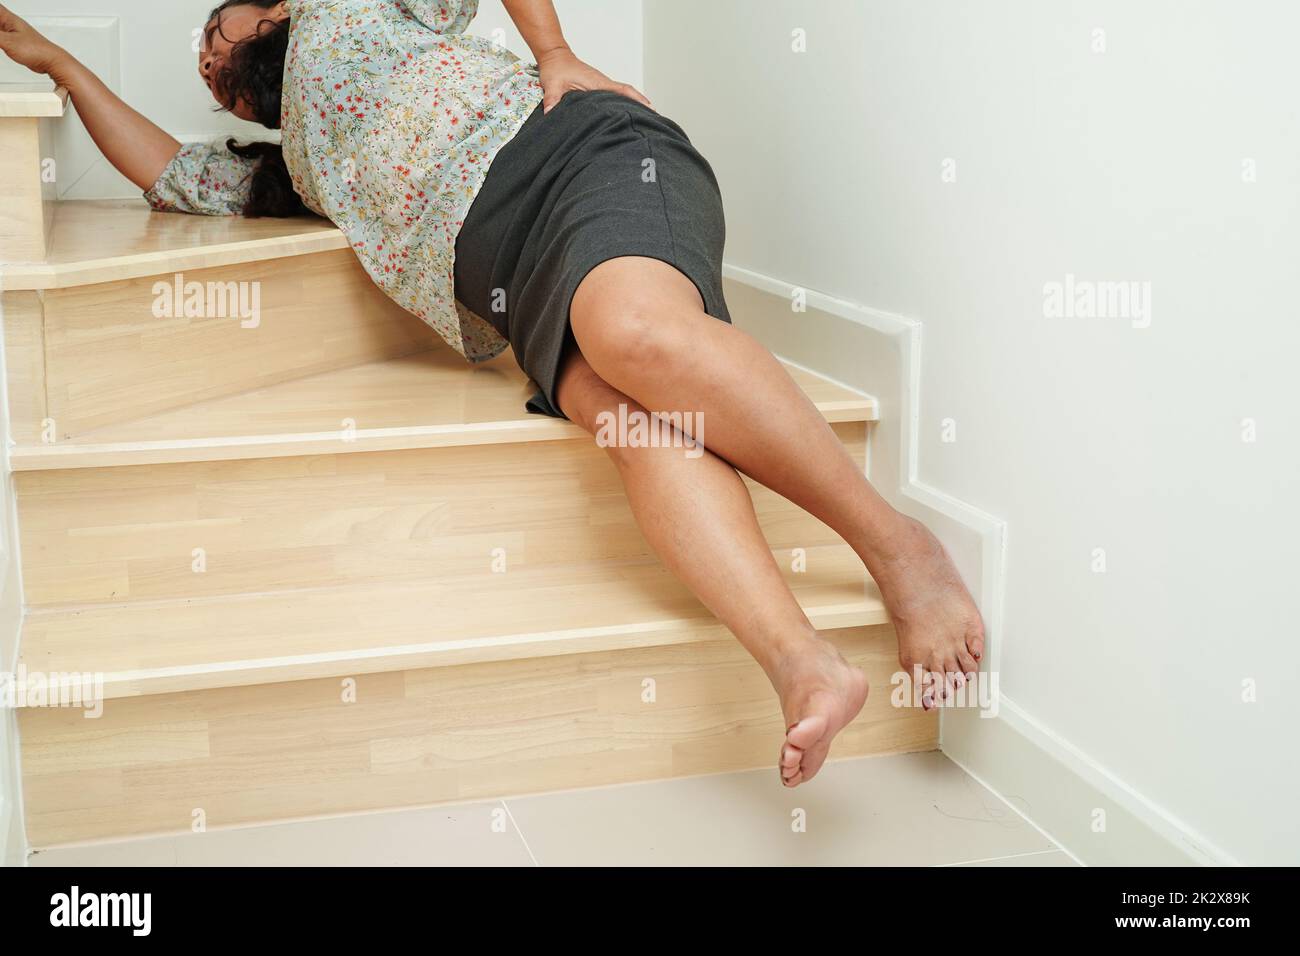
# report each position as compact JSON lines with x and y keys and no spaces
{"x":806,"y":732}
{"x":791,"y":757}
{"x":975,"y":642}
{"x":969,"y":666}
{"x":812,"y":762}
{"x":942,"y":677}
{"x":789,"y":765}
{"x":952,"y":672}
{"x":801,"y":758}
{"x":928,"y":690}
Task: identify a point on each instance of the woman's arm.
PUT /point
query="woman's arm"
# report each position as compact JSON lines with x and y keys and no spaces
{"x":560,"y":69}
{"x":136,"y":147}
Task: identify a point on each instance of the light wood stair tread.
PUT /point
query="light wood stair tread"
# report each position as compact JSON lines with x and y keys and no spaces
{"x":94,"y":241}
{"x":430,"y":399}
{"x":169,"y":646}
{"x":37,"y":99}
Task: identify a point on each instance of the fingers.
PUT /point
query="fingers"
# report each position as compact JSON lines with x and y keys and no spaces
{"x":630,"y":91}
{"x":553,"y":93}
{"x":550,"y":100}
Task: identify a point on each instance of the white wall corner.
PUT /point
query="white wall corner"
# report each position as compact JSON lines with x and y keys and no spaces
{"x":1049,"y":782}
{"x":1092,"y":813}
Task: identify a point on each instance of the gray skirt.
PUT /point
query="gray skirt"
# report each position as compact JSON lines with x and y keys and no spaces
{"x":600,"y":176}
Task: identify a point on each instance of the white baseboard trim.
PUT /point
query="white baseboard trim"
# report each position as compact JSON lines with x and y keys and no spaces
{"x":256,"y":134}
{"x":1066,"y":793}
{"x":1056,"y":787}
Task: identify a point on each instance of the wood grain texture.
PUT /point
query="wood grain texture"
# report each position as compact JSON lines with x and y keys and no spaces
{"x":427,"y":400}
{"x":282,"y":751}
{"x":37,"y":99}
{"x":109,"y":359}
{"x":471,"y":616}
{"x":130,"y":533}
{"x":99,"y":241}
{"x":22,"y":213}
{"x":24,"y":334}
{"x":350,"y":492}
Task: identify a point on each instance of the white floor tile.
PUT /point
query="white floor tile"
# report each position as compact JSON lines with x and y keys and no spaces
{"x":478,"y":834}
{"x":912,"y":809}
{"x":155,"y":852}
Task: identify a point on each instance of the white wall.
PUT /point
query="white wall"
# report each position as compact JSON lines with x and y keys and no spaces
{"x":1081,"y":433}
{"x":143,"y":50}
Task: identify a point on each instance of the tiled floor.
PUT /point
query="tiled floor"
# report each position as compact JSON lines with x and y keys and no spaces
{"x":915,"y":809}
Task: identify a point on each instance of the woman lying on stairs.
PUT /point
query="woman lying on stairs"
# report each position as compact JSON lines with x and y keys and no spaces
{"x":506,"y":203}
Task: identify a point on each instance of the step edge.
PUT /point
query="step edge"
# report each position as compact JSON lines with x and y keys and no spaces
{"x":71,"y":455}
{"x":44,"y":276}
{"x":287,"y":444}
{"x":33,"y":104}
{"x":496,"y":649}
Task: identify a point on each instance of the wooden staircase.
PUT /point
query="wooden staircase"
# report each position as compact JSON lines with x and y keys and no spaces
{"x":324,"y":566}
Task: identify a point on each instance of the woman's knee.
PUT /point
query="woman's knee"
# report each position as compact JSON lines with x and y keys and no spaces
{"x":628,"y":318}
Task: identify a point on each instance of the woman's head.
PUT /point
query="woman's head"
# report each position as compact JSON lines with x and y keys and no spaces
{"x":241,"y":58}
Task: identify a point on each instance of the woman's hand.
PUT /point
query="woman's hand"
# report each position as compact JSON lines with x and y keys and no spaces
{"x":561,"y":72}
{"x":137,"y":148}
{"x":26,"y":46}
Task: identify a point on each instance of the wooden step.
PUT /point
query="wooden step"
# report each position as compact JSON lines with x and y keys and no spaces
{"x":98,"y":241}
{"x":85,"y":348}
{"x":239,"y":528}
{"x":37,"y":100}
{"x":427,"y":400}
{"x":211,"y":528}
{"x":239,"y":755}
{"x":195,"y":644}
{"x":25,"y":214}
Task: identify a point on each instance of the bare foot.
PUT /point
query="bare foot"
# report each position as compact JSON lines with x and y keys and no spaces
{"x":939,"y":628}
{"x":820,"y":693}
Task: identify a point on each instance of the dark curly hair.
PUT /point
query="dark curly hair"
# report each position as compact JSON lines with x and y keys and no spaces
{"x":254,"y":74}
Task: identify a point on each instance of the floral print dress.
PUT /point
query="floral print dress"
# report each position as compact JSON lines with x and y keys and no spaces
{"x":390,"y":118}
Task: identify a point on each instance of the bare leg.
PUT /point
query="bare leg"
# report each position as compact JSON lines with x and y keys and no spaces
{"x":697,"y":515}
{"x":641,"y":325}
